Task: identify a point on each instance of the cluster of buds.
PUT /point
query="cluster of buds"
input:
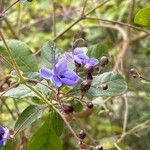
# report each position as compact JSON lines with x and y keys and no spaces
{"x":62,"y":75}
{"x":89,"y":69}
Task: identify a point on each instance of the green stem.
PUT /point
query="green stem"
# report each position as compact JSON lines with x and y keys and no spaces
{"x":39,"y":94}
{"x":11,"y":57}
{"x":49,"y":104}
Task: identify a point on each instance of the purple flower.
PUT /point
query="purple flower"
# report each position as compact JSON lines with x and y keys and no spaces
{"x":4,"y":135}
{"x":80,"y":57}
{"x":60,"y":75}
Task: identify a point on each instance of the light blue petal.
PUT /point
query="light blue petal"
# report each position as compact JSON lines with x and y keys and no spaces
{"x":46,"y":73}
{"x":77,"y":51}
{"x":61,"y":66}
{"x":80,"y":50}
{"x":69,"y":78}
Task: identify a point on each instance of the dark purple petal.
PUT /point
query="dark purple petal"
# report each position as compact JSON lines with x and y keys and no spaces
{"x":69,"y":78}
{"x":46,"y":73}
{"x":61,"y":66}
{"x":56,"y":81}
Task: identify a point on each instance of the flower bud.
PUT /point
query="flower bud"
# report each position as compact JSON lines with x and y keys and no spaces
{"x":104,"y":86}
{"x":89,"y":105}
{"x":134,"y":73}
{"x":99,"y":148}
{"x":85,"y":85}
{"x":68,"y":108}
{"x":89,"y":69}
{"x":82,"y":134}
{"x":104,"y":61}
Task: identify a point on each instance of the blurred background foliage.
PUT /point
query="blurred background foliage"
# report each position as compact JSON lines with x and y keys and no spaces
{"x":32,"y":23}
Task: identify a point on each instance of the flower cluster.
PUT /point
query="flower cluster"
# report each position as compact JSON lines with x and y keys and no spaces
{"x":79,"y":56}
{"x":4,"y":135}
{"x":61,"y":74}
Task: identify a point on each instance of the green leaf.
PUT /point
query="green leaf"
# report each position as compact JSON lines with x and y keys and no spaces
{"x":47,"y":51}
{"x":116,"y":85}
{"x":18,"y":92}
{"x":108,"y":142}
{"x":45,"y":138}
{"x":22,"y":54}
{"x":98,"y":101}
{"x":143,"y":17}
{"x":28,"y":116}
{"x":97,"y":50}
{"x":77,"y":105}
{"x":23,"y":91}
{"x":42,"y":88}
{"x":57,"y":124}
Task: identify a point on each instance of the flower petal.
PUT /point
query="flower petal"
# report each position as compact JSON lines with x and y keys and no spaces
{"x":80,"y":50}
{"x":77,"y":59}
{"x":93,"y":61}
{"x":6,"y":135}
{"x":69,"y":78}
{"x":56,"y":81}
{"x":46,"y":73}
{"x":61,"y":66}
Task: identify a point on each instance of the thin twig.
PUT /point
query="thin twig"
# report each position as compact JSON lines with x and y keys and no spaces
{"x":54,"y":17}
{"x":10,"y":28}
{"x":84,"y":6}
{"x":7,"y":61}
{"x":14,"y":85}
{"x":37,"y":81}
{"x":126,"y":42}
{"x":67,"y":123}
{"x":17,"y":108}
{"x":125,"y":113}
{"x":38,"y":94}
{"x":79,"y":19}
{"x":143,"y":78}
{"x":140,"y":126}
{"x":9,"y":110}
{"x":1,"y":6}
{"x":98,"y":6}
{"x":13,"y":61}
{"x":119,"y":23}
{"x":14,"y":3}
